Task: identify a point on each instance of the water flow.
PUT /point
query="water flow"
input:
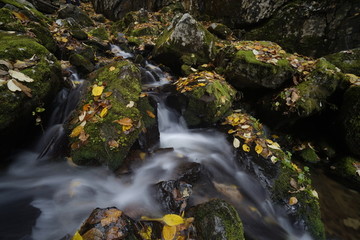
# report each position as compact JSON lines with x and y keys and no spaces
{"x":118,"y":52}
{"x":65,"y":195}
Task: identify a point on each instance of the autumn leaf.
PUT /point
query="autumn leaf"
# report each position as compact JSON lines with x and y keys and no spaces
{"x":236,"y":143}
{"x":76,"y":131}
{"x":97,"y":90}
{"x":150,"y":114}
{"x":113,"y":143}
{"x":86,"y":107}
{"x":145,"y":233}
{"x":258,"y":149}
{"x":112,"y":68}
{"x":112,"y":215}
{"x":23,"y":88}
{"x":274,"y":159}
{"x":246,"y":148}
{"x":12,"y":86}
{"x":168,"y":219}
{"x":77,"y":236}
{"x":124,"y":121}
{"x":130,"y":104}
{"x":20,"y":16}
{"x":315,"y":194}
{"x":293,"y":201}
{"x":169,"y":232}
{"x":126,"y":128}
{"x":103,"y":112}
{"x":83,"y":136}
{"x":107,"y":94}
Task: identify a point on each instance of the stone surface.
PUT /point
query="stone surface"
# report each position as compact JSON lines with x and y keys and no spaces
{"x":348,"y":61}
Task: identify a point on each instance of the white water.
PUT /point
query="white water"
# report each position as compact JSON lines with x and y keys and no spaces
{"x":66,"y":195}
{"x":117,"y":51}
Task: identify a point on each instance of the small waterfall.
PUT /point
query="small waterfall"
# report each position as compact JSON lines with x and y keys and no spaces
{"x":153,"y":76}
{"x":118,"y":52}
{"x":65,"y":195}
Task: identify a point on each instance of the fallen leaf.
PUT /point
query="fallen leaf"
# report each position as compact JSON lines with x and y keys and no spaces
{"x":76,"y":131}
{"x":258,"y":149}
{"x":130,"y":104}
{"x":236,"y":143}
{"x":82,"y":116}
{"x":20,"y":16}
{"x":169,"y":232}
{"x":145,"y":232}
{"x":23,"y":88}
{"x":274,"y":159}
{"x":112,"y":215}
{"x":75,"y":145}
{"x":113,"y":143}
{"x":97,"y":90}
{"x":112,"y":68}
{"x":293,"y":183}
{"x":77,"y":236}
{"x":107,"y":94}
{"x":168,"y":219}
{"x":246,"y":147}
{"x":83,"y":136}
{"x":12,"y":86}
{"x":293,"y":201}
{"x":86,"y":107}
{"x":20,"y":76}
{"x":103,"y":112}
{"x":315,"y":194}
{"x":150,"y":114}
{"x":124,"y":121}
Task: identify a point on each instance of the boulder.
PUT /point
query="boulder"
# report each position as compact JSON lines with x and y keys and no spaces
{"x":348,"y":169}
{"x":217,"y":220}
{"x":8,"y":22}
{"x":220,"y":30}
{"x":79,"y":16}
{"x":252,"y":64}
{"x":183,"y":38}
{"x":107,"y":121}
{"x":16,"y":118}
{"x":208,"y":97}
{"x":350,"y":119}
{"x":348,"y":61}
{"x":82,"y":64}
{"x":312,"y":28}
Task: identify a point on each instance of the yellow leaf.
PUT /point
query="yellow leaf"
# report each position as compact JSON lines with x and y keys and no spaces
{"x":77,"y":236}
{"x":97,"y":90}
{"x":112,"y":68}
{"x":258,"y":149}
{"x":126,"y":128}
{"x":169,"y":232}
{"x":64,"y":39}
{"x":76,"y":131}
{"x":150,"y":114}
{"x":103,"y":112}
{"x":145,"y":232}
{"x":315,"y":194}
{"x":124,"y":121}
{"x":113,"y":144}
{"x":168,"y":219}
{"x":274,"y":159}
{"x":236,"y":143}
{"x":293,"y":201}
{"x":246,"y":148}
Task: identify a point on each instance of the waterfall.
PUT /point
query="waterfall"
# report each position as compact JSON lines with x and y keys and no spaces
{"x":61,"y":196}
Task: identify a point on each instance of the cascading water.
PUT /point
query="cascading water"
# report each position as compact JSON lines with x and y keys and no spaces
{"x":65,"y":195}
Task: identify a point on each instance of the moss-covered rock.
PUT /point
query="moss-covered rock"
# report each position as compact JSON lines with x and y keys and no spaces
{"x":348,"y":168}
{"x":43,"y":35}
{"x":309,"y":155}
{"x":81,"y":63}
{"x":350,"y":118}
{"x":308,"y":97}
{"x":100,"y":33}
{"x":218,"y":220}
{"x":80,"y":17}
{"x":8,"y":22}
{"x":209,"y":97}
{"x":16,"y":107}
{"x":348,"y":61}
{"x":113,"y":122}
{"x":185,"y":36}
{"x":220,"y":30}
{"x":255,"y":65}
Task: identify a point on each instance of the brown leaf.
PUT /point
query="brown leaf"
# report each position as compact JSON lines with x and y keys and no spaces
{"x":124,"y":121}
{"x":23,"y":88}
{"x":83,"y":136}
{"x":150,"y":114}
{"x":113,"y":143}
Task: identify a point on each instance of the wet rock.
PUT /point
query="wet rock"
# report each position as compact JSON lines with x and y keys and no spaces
{"x":45,"y":6}
{"x":309,"y":155}
{"x":78,"y":33}
{"x":350,"y":118}
{"x":150,"y":135}
{"x":82,"y":64}
{"x":184,"y":37}
{"x":348,"y":169}
{"x":208,"y":97}
{"x":173,"y":195}
{"x":43,"y":34}
{"x":108,"y":224}
{"x":243,"y":66}
{"x":80,"y":17}
{"x":108,"y":134}
{"x":312,"y":28}
{"x":218,"y":219}
{"x":348,"y":61}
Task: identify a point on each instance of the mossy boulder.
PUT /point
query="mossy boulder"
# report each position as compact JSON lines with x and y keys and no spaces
{"x":83,"y":64}
{"x":44,"y":36}
{"x":16,"y":107}
{"x":79,"y":16}
{"x":100,"y":33}
{"x":350,"y":119}
{"x":113,"y":121}
{"x":308,"y":97}
{"x":246,"y":65}
{"x":348,"y":168}
{"x":185,"y":36}
{"x":220,"y":30}
{"x":208,"y":97}
{"x":348,"y":61}
{"x":8,"y":22}
{"x":218,"y":220}
{"x":276,"y":172}
{"x":308,"y":155}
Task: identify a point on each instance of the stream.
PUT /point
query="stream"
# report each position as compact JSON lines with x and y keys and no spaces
{"x":44,"y":199}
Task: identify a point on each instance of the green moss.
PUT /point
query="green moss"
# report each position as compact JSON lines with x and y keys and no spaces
{"x":13,"y":47}
{"x":307,"y":208}
{"x":83,"y":64}
{"x":100,"y":33}
{"x":218,"y":220}
{"x":347,"y":61}
{"x":309,"y":155}
{"x":8,"y":22}
{"x":44,"y":36}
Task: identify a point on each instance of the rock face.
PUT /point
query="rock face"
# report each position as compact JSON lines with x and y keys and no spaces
{"x":107,"y":121}
{"x":79,"y":17}
{"x":184,"y":39}
{"x":313,"y":28}
{"x":348,"y":61}
{"x":218,"y":220}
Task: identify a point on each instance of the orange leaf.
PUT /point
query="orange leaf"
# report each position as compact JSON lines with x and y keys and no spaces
{"x":113,"y":143}
{"x":112,"y":68}
{"x":124,"y":121}
{"x":86,"y":107}
{"x":150,"y":114}
{"x":20,"y":16}
{"x":76,"y":131}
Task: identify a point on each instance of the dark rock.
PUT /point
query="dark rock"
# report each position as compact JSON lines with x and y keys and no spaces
{"x":347,"y":168}
{"x":218,"y":220}
{"x":80,"y":17}
{"x":44,"y":35}
{"x":83,"y":65}
{"x":220,"y":30}
{"x":45,"y":6}
{"x":350,"y":118}
{"x":8,"y":22}
{"x":78,"y":33}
